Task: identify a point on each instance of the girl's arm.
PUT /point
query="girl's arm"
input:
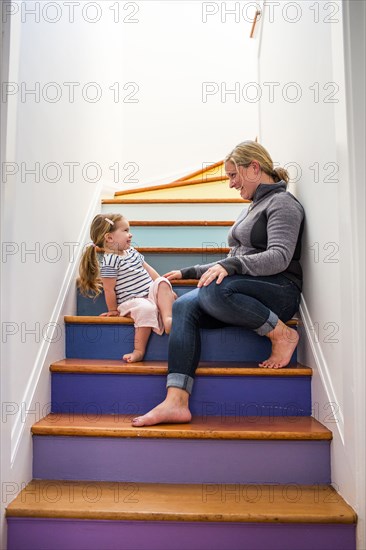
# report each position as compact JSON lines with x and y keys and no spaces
{"x":151,"y":271}
{"x":109,"y":285}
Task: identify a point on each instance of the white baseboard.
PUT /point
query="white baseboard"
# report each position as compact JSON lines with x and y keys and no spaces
{"x":321,"y":365}
{"x":47,"y":351}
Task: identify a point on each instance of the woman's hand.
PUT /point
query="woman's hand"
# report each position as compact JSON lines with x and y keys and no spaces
{"x":215,"y":272}
{"x":173,"y":275}
{"x":113,"y":313}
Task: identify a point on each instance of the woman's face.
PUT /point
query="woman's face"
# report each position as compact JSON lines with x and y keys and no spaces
{"x":245,"y":179}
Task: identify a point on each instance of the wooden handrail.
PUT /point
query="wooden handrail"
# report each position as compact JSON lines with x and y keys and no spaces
{"x":257,"y":13}
{"x":172,"y":185}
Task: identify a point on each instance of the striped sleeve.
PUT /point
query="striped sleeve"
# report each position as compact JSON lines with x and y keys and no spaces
{"x":110,"y":266}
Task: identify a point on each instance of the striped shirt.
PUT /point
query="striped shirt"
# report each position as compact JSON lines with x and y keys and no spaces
{"x":132,"y":278}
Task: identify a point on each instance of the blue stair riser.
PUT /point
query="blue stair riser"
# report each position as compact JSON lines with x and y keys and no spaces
{"x":112,"y":341}
{"x":96,"y":306}
{"x":69,"y":534}
{"x":257,"y":396}
{"x":180,"y":236}
{"x":167,"y":262}
{"x":141,"y":460}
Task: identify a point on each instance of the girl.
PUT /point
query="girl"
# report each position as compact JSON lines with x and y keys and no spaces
{"x":132,"y":288}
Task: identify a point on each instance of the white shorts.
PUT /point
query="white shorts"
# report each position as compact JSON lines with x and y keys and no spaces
{"x":144,"y":311}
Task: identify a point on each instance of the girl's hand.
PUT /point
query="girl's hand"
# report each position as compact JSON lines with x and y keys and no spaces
{"x":215,"y":272}
{"x":173,"y":275}
{"x":113,"y":313}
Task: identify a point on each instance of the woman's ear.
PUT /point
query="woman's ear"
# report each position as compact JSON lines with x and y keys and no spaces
{"x":256,"y":166}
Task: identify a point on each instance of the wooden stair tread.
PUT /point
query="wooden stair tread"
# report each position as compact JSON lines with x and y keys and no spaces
{"x":174,"y":502}
{"x":208,"y":427}
{"x":98,"y":320}
{"x":111,"y":366}
{"x":173,"y":201}
{"x":180,"y":250}
{"x":173,"y":185}
{"x":175,"y":223}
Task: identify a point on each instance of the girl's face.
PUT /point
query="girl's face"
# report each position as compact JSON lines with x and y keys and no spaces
{"x":119,"y":239}
{"x":244,"y":178}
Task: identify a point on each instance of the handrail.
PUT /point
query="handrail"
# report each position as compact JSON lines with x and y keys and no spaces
{"x":257,"y":13}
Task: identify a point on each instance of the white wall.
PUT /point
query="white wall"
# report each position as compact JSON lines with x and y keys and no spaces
{"x":185,"y":56}
{"x":308,"y":124}
{"x":46,"y":216}
{"x":166,"y":51}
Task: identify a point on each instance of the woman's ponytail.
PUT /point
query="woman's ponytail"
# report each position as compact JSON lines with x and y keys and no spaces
{"x":281,"y":174}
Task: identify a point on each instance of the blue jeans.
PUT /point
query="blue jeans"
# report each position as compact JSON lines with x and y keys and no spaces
{"x":241,"y":300}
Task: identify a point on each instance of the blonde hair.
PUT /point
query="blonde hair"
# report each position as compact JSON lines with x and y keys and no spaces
{"x":89,"y":282}
{"x":245,"y":152}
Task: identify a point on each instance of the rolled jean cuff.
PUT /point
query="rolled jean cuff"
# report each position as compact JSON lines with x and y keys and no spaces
{"x":268,"y":325}
{"x":181,"y":381}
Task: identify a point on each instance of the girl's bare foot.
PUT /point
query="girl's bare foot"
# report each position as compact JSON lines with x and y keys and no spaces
{"x":174,"y":409}
{"x":134,"y":357}
{"x":284,"y":341}
{"x":167,"y":322}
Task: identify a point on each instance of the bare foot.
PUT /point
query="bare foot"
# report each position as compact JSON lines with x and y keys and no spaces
{"x":174,"y":409}
{"x":163,"y":413}
{"x":133,"y":357}
{"x":284,"y":341}
{"x":167,"y":322}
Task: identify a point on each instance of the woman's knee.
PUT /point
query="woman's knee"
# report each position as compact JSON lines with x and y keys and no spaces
{"x":212,"y":296}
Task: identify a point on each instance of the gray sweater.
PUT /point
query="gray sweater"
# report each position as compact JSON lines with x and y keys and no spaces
{"x":265,"y":239}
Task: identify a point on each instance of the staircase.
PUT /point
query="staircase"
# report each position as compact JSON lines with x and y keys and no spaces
{"x":251,"y":471}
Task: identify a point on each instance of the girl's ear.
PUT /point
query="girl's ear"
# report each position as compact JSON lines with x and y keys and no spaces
{"x":108,"y":237}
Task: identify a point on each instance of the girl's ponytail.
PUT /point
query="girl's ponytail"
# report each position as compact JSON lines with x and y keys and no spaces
{"x":89,"y":282}
{"x":89,"y":276}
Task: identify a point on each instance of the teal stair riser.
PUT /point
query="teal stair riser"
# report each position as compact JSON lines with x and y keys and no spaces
{"x":163,"y":263}
{"x":179,"y":236}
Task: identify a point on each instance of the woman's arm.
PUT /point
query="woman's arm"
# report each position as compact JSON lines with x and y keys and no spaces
{"x":109,"y":285}
{"x":284,"y":218}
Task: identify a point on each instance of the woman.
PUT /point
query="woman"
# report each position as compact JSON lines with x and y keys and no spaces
{"x":258,"y":286}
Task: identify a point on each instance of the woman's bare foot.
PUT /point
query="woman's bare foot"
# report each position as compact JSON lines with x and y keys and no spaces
{"x":174,"y":409}
{"x":134,"y":357}
{"x":167,"y":322}
{"x":284,"y":341}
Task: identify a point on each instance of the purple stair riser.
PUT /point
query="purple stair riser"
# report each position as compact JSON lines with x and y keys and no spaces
{"x":64,"y":534}
{"x":180,"y":460}
{"x":91,"y":341}
{"x":212,"y":396}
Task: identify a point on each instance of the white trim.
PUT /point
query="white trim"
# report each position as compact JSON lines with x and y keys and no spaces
{"x":67,"y":289}
{"x":323,"y":368}
{"x":354,"y":16}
